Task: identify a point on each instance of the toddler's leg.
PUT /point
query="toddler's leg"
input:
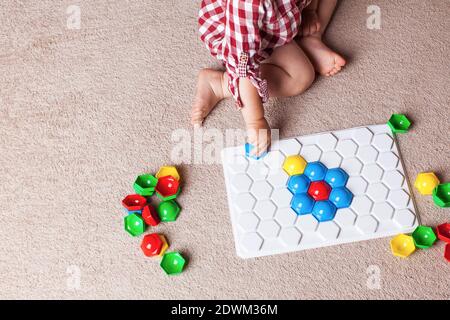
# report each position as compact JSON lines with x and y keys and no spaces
{"x":325,"y":61}
{"x":212,"y":87}
{"x":288,"y":72}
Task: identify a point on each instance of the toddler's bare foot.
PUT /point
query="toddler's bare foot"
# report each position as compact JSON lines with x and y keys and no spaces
{"x":325,"y":61}
{"x":211,"y":88}
{"x":258,"y":134}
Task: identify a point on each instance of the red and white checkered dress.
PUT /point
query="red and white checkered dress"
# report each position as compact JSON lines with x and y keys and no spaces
{"x":243,"y":33}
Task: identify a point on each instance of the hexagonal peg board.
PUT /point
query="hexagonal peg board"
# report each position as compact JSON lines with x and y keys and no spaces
{"x":290,"y":237}
{"x":173,"y":263}
{"x":134,"y":224}
{"x":271,"y":206}
{"x":426,"y":182}
{"x":441,"y":195}
{"x":402,"y":246}
{"x":261,"y":190}
{"x":168,"y":171}
{"x":327,"y":142}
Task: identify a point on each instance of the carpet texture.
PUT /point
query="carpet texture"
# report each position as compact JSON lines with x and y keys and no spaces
{"x":82,"y":112}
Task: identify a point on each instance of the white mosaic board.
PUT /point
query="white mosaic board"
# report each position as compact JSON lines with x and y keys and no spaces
{"x":259,"y":200}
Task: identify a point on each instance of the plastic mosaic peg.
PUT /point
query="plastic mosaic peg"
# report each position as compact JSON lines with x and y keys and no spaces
{"x":402,"y":246}
{"x":271,"y":213}
{"x":168,"y":171}
{"x":298,"y":184}
{"x":294,"y":165}
{"x":145,"y":185}
{"x":167,"y":188}
{"x":154,"y":244}
{"x":134,"y":224}
{"x":168,"y":211}
{"x":426,"y":182}
{"x":399,"y":123}
{"x":173,"y":263}
{"x":150,"y":215}
{"x":249,"y":148}
{"x":447,"y":252}
{"x":443,"y":232}
{"x":441,"y":195}
{"x":424,"y":237}
{"x":134,"y":202}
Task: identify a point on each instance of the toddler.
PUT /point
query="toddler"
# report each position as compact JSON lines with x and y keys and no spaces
{"x":269,"y":48}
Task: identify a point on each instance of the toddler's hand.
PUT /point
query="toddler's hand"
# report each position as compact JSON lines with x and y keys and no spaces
{"x":310,"y":23}
{"x":259,"y":136}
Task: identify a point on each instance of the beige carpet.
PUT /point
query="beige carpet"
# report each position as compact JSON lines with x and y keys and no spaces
{"x":82,"y":112}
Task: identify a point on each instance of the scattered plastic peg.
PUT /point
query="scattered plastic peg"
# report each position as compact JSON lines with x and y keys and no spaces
{"x":154,"y":245}
{"x":173,"y":263}
{"x":168,"y":211}
{"x":167,"y":188}
{"x":441,"y":195}
{"x":150,"y":215}
{"x":399,"y":123}
{"x":424,"y":237}
{"x":145,"y":185}
{"x":447,"y":252}
{"x":134,"y":224}
{"x":426,"y":182}
{"x":134,"y":202}
{"x":402,"y":246}
{"x":168,"y":171}
{"x":248,"y":149}
{"x":443,"y":232}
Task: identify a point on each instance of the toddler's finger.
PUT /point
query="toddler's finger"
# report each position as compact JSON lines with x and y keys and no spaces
{"x":260,"y":149}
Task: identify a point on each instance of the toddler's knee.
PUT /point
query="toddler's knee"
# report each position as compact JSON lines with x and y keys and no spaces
{"x":304,"y":80}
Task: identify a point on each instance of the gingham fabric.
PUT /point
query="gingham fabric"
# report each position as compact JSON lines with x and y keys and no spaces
{"x":243,"y":33}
